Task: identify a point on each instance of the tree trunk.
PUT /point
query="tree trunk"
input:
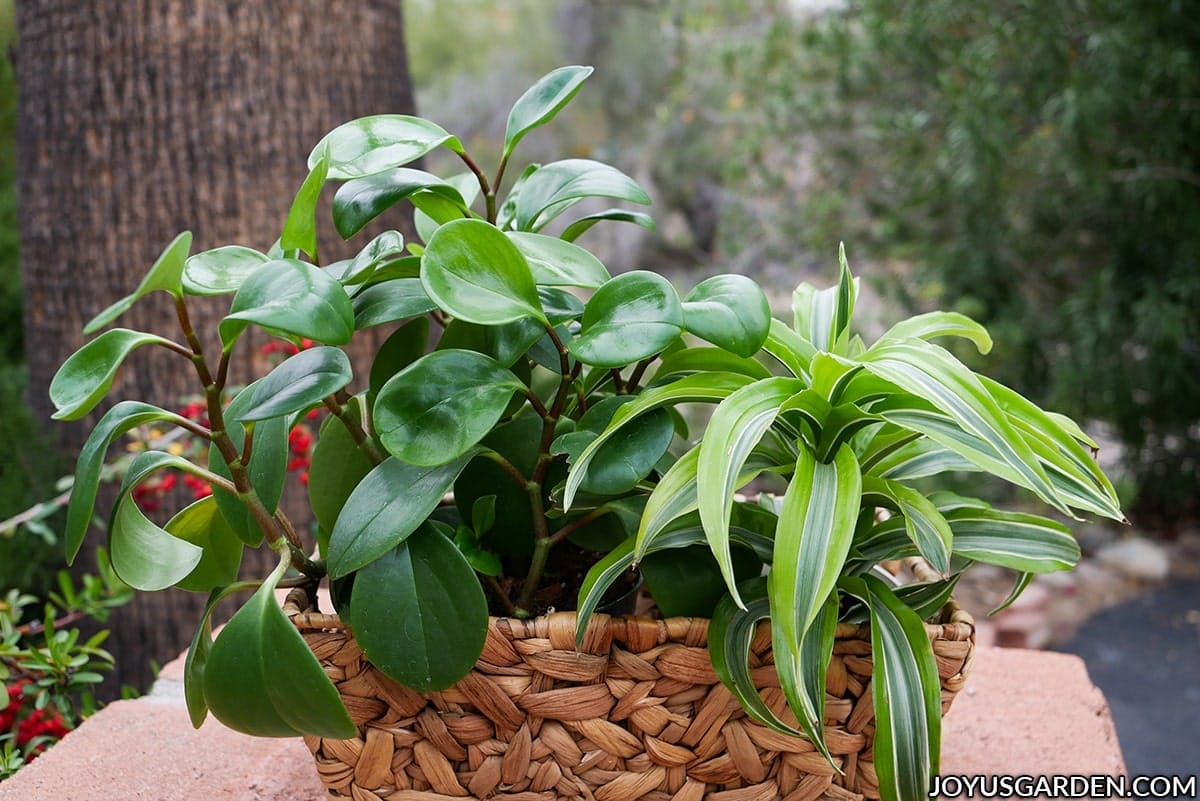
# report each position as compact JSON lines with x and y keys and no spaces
{"x":143,"y":118}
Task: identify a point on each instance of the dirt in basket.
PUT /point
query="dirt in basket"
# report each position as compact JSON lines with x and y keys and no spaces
{"x":566,"y":569}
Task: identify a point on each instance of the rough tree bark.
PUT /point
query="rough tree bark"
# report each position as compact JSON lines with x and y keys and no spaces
{"x":143,"y":118}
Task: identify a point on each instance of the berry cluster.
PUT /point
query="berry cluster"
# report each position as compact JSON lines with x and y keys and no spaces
{"x":34,"y":728}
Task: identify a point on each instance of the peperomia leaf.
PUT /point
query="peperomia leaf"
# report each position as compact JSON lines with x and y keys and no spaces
{"x":419,"y":612}
{"x":477,"y":274}
{"x":385,"y":248}
{"x":439,"y":407}
{"x":541,"y":102}
{"x":737,"y":425}
{"x":376,"y":518}
{"x":729,"y":311}
{"x":403,"y":347}
{"x":221,"y":270}
{"x":373,"y":144}
{"x":197,"y":655}
{"x":300,"y":227}
{"x":202,"y":525}
{"x":552,"y":188}
{"x":295,"y":298}
{"x":628,"y":456}
{"x":632,"y":317}
{"x":166,"y":275}
{"x":124,"y":416}
{"x":85,"y":378}
{"x":554,"y":262}
{"x":262,"y":679}
{"x":359,"y":201}
{"x":297,"y":383}
{"x":583,"y":224}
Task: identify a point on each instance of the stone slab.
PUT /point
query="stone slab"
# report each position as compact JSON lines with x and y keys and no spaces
{"x":1022,"y":712}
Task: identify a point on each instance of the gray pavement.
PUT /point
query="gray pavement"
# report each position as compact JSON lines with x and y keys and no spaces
{"x":1145,"y":656}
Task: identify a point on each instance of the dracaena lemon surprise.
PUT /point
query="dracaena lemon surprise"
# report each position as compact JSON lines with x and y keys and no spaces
{"x":524,"y":416}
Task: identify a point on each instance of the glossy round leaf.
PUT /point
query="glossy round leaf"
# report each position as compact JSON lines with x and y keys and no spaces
{"x":293,"y":297}
{"x":419,"y":613}
{"x":386,"y":247}
{"x":262,"y":679}
{"x":390,"y":301}
{"x":729,"y":311}
{"x":202,"y":525}
{"x":552,"y":188}
{"x":630,"y":318}
{"x":166,"y":275}
{"x":87,"y":375}
{"x":475,"y":273}
{"x":628,"y":456}
{"x":554,"y":262}
{"x":297,"y":383}
{"x":267,"y":472}
{"x":584,"y":224}
{"x":436,"y":409}
{"x":542,"y":101}
{"x":373,"y":144}
{"x":220,"y":271}
{"x":405,"y":345}
{"x":384,"y":509}
{"x":359,"y":201}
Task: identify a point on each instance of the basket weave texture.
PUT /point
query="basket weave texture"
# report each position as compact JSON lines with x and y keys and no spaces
{"x":635,"y":713}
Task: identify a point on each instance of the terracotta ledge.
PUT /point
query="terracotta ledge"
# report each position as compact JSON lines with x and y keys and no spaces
{"x":1022,"y":712}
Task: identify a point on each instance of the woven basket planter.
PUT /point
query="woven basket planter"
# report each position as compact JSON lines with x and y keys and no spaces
{"x":635,"y":713}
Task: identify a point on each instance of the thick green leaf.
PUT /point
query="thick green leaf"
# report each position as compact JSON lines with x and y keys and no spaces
{"x":737,"y":425}
{"x":337,"y":467}
{"x":477,"y":274}
{"x":440,"y":406}
{"x":554,"y":262}
{"x":359,"y":201}
{"x":377,"y":517}
{"x":940,"y":324}
{"x":923,"y":523}
{"x":906,"y":693}
{"x":300,"y":227}
{"x":703,"y":360}
{"x":405,"y":345}
{"x":505,"y":343}
{"x":267,"y":471}
{"x":297,"y":383}
{"x":202,"y":525}
{"x":931,"y":373}
{"x":553,"y":187}
{"x":419,"y":612}
{"x":633,"y":316}
{"x":628,"y":456}
{"x":262,"y":679}
{"x":197,"y":655}
{"x":166,"y":275}
{"x":221,"y":270}
{"x":541,"y":102}
{"x":124,"y":416}
{"x":387,"y":247}
{"x":729,"y":311}
{"x":390,"y":301}
{"x":292,"y":297}
{"x":87,"y":375}
{"x":701,"y":388}
{"x":373,"y":144}
{"x":583,"y":224}
{"x":816,"y":527}
{"x":517,"y":441}
{"x":687,"y":582}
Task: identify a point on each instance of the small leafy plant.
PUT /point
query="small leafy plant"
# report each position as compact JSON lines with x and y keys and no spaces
{"x":538,"y":445}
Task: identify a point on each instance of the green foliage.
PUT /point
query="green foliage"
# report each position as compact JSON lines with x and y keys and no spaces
{"x":559,"y":408}
{"x":1037,"y":164}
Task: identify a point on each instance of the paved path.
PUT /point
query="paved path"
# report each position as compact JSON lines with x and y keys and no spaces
{"x":1145,"y":656}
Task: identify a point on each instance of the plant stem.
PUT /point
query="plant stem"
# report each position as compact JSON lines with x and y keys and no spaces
{"x":507,"y":467}
{"x":537,"y":405}
{"x":575,"y":525}
{"x":354,"y":426}
{"x":537,"y":564}
{"x":488,"y":194}
{"x":500,"y":172}
{"x":638,"y":372}
{"x":498,"y":591}
{"x":617,"y":383}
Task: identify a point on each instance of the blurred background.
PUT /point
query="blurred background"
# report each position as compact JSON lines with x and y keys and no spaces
{"x":1034,"y":164}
